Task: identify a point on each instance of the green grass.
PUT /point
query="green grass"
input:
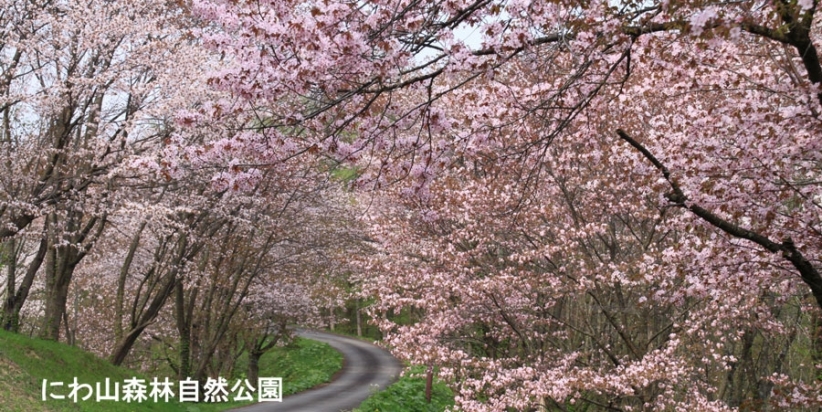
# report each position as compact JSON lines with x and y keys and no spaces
{"x":25,"y":362}
{"x":407,"y":394}
{"x":303,"y":364}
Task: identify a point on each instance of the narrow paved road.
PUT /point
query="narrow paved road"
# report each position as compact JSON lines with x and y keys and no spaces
{"x":367,"y":368}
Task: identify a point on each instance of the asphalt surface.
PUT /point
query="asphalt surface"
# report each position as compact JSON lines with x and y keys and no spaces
{"x":367,"y":368}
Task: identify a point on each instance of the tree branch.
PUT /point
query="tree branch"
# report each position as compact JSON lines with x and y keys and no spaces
{"x":810,"y":275}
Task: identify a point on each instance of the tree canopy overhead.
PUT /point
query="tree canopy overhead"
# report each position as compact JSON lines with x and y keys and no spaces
{"x":627,"y":156}
{"x":608,"y":203}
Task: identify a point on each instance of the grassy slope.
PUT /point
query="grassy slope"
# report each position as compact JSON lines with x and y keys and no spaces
{"x":302,"y":365}
{"x":25,"y":362}
{"x":407,"y":394}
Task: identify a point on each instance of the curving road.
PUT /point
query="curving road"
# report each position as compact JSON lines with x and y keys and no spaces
{"x":365,"y":368}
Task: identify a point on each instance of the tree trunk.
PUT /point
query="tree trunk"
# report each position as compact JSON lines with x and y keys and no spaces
{"x":61,"y":262}
{"x":122,"y":349}
{"x":215,"y":327}
{"x":58,"y":278}
{"x":71,"y":333}
{"x":429,"y":380}
{"x":11,"y":280}
{"x":166,"y":285}
{"x":359,"y":319}
{"x":15,"y":301}
{"x":121,"y":284}
{"x":184,"y":330}
{"x":254,"y":366}
{"x":816,"y":343}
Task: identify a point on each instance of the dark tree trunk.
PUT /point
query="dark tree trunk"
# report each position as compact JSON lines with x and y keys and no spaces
{"x":15,"y":301}
{"x":359,"y":319}
{"x":10,"y":256}
{"x":58,"y":278}
{"x":254,"y":366}
{"x":142,"y":315}
{"x":184,"y":330}
{"x":123,"y":347}
{"x":62,"y":260}
{"x":121,"y":284}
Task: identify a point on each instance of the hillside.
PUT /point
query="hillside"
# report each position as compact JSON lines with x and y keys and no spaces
{"x":26,"y":362}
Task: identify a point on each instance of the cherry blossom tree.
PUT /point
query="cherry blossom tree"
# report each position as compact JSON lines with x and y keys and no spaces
{"x":283,"y":304}
{"x":266,"y":271}
{"x":82,"y":87}
{"x":285,"y":51}
{"x":142,"y":206}
{"x":672,"y":145}
{"x":517,"y":296}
